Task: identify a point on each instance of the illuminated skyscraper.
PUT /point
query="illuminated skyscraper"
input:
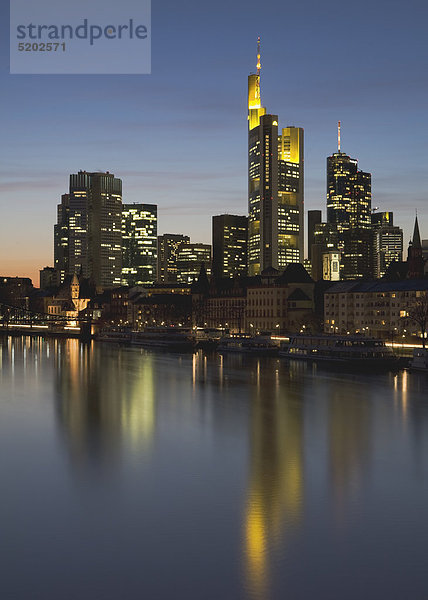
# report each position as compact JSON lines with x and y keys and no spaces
{"x":229,"y":245}
{"x":326,"y":241}
{"x":357,"y":253}
{"x":139,"y":243}
{"x":190,"y":258}
{"x":275,"y":186}
{"x":348,"y":193}
{"x":62,"y":239}
{"x":349,"y":213}
{"x":388,"y":242}
{"x":88,"y":232}
{"x":168,"y":245}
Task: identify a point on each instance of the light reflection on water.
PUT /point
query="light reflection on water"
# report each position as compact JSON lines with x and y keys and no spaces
{"x":275,"y":488}
{"x":268,"y":480}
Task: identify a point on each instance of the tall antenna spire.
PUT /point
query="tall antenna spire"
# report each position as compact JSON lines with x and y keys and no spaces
{"x":259,"y":66}
{"x":338,"y":137}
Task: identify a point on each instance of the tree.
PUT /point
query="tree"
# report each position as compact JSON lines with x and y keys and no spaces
{"x":418,"y":313}
{"x":311,"y":323}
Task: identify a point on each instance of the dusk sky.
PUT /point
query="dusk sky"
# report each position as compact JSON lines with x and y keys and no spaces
{"x":178,"y":137}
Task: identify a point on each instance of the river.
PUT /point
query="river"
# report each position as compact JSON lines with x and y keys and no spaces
{"x":131,"y":474}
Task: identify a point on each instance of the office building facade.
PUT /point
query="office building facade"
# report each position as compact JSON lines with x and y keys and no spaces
{"x":168,"y":245}
{"x":229,"y":237}
{"x":348,"y":193}
{"x":88,"y":233}
{"x":190,"y":258}
{"x":388,"y":242}
{"x":275,"y":187}
{"x":139,"y":244}
{"x":348,"y":231}
{"x":314,"y":219}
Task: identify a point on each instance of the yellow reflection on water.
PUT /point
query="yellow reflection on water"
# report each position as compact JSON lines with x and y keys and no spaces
{"x":275,"y":491}
{"x":404,"y":392}
{"x":349,"y":445}
{"x":194,"y":361}
{"x":401,"y":394}
{"x":221,"y":370}
{"x":138,"y":413}
{"x":255,"y":548}
{"x":103,"y":399}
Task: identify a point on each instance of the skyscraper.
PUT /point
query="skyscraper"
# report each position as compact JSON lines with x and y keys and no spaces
{"x":314,"y":219}
{"x":388,"y":239}
{"x":275,"y":186}
{"x":229,"y":237}
{"x":190,"y":258}
{"x":326,"y":240}
{"x":87,"y":236}
{"x":349,"y":213}
{"x":71,"y":235}
{"x":168,"y":245}
{"x":139,"y":244}
{"x":348,"y":193}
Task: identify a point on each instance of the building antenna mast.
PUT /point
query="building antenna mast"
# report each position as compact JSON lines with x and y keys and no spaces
{"x":338,"y":137}
{"x":259,"y":66}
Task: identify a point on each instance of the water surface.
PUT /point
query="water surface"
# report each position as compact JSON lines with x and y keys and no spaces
{"x":131,"y":474}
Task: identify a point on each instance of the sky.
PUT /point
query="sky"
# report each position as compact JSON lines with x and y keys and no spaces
{"x":178,"y":137}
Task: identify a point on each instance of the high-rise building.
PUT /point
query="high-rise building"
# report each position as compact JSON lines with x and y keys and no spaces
{"x":349,"y":214}
{"x":388,"y":240}
{"x":275,"y":186}
{"x":357,"y":257}
{"x":49,"y":278}
{"x":88,"y":234}
{"x":168,"y":245}
{"x":229,"y":237}
{"x":190,"y":258}
{"x":71,"y":236}
{"x":314,"y":219}
{"x":348,"y":193}
{"x":139,"y":244}
{"x":326,"y":240}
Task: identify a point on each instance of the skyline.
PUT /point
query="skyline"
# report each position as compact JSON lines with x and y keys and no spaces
{"x":180,"y":134}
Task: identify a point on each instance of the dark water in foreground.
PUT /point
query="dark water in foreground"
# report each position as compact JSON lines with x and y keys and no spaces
{"x":129,"y":474}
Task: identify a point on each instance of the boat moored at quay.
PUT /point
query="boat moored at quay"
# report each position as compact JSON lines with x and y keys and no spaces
{"x":174,"y":339}
{"x":419,"y":360}
{"x":208,"y":338}
{"x":247,"y":344}
{"x":118,"y":336}
{"x":353,"y":351}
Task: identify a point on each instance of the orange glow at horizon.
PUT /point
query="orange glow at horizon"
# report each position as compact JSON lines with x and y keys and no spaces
{"x":23,"y":267}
